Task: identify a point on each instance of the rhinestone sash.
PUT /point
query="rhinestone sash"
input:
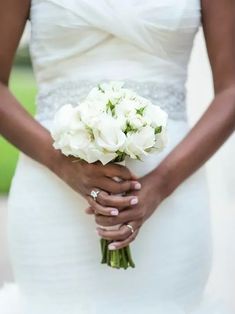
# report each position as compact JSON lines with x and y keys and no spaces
{"x":170,"y":97}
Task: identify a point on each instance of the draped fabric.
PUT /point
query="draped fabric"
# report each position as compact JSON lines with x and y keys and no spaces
{"x":112,"y":39}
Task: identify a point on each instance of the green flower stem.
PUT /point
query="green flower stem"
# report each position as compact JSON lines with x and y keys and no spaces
{"x":116,"y":258}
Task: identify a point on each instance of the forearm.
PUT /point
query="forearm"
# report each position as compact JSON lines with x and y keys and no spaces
{"x":23,"y":131}
{"x":205,"y":138}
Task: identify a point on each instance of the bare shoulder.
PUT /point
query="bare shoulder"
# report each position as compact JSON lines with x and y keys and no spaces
{"x":13,"y":17}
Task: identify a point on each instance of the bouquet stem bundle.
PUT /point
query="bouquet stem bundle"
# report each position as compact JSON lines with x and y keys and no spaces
{"x":120,"y":258}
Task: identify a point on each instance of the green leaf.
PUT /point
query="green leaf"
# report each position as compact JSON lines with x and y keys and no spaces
{"x":110,"y":106}
{"x":158,"y":129}
{"x":129,"y":128}
{"x":100,"y":88}
{"x":140,"y":111}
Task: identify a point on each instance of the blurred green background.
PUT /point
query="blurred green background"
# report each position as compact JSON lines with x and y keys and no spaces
{"x":23,"y":86}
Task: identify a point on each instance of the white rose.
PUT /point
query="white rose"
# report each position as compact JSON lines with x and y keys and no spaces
{"x":138,"y":143}
{"x":109,"y":135}
{"x":112,"y":86}
{"x":79,"y":138}
{"x":128,"y":94}
{"x":90,"y":111}
{"x":96,"y":95}
{"x":155,"y":115}
{"x":62,"y":120}
{"x":127,"y":107}
{"x":136,"y":121}
{"x":62,"y":143}
{"x":97,"y":153}
{"x":161,"y":140}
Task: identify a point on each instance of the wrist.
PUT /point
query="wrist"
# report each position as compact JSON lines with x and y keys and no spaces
{"x":163,"y":184}
{"x":52,"y":158}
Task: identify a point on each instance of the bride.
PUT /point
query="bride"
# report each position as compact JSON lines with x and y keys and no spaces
{"x":53,"y":239}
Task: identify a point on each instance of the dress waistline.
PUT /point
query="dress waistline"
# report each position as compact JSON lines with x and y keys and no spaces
{"x":170,"y":97}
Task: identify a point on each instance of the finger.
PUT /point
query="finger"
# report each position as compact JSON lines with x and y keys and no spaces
{"x":116,"y":201}
{"x":121,"y":244}
{"x":122,"y":186}
{"x":112,"y":186}
{"x":102,"y":210}
{"x":119,"y":235}
{"x":120,"y":171}
{"x":89,"y":210}
{"x":129,"y":214}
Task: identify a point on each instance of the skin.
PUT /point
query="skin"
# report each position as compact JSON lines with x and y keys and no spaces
{"x":80,"y":176}
{"x":212,"y":130}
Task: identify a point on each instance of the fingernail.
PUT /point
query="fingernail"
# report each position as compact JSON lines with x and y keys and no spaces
{"x":114,"y":212}
{"x":134,"y":201}
{"x":111,"y":247}
{"x":137,"y":186}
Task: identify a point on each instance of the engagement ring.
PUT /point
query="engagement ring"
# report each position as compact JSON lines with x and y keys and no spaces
{"x":94,"y":194}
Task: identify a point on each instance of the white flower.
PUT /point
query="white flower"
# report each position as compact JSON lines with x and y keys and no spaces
{"x":127,"y":107}
{"x":90,"y":111}
{"x":62,"y":121}
{"x":80,"y":138}
{"x":62,"y":143}
{"x":109,"y":135}
{"x":155,"y":116}
{"x":106,"y":92}
{"x":128,"y":94}
{"x":160,"y":140}
{"x":139,"y":142}
{"x":110,"y":120}
{"x":97,"y":153}
{"x":96,"y":95}
{"x":112,"y":86}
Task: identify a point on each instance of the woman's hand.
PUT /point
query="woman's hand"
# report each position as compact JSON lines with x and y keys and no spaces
{"x":84,"y":177}
{"x":149,"y":197}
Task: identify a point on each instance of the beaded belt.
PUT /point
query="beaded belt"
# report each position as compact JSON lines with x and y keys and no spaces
{"x":170,"y":97}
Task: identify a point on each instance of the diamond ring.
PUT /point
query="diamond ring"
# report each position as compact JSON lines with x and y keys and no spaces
{"x":94,"y":194}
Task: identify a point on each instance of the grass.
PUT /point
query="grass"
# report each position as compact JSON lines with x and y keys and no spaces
{"x":22,"y":85}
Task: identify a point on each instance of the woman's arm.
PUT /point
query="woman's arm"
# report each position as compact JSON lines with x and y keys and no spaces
{"x":218,"y":122}
{"x":206,"y":136}
{"x":33,"y":139}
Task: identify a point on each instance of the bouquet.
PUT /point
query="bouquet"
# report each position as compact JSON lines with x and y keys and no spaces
{"x":110,"y":124}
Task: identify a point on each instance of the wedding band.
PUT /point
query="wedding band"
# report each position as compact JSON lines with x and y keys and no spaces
{"x":94,"y":194}
{"x":130,"y":227}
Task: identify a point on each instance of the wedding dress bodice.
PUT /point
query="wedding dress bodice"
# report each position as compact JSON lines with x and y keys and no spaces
{"x":131,"y":40}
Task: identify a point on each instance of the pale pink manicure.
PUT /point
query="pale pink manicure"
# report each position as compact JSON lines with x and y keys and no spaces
{"x":114,"y":212}
{"x":134,"y":201}
{"x":112,"y":247}
{"x":137,"y":186}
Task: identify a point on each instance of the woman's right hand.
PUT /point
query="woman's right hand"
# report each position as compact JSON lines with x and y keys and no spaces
{"x":84,"y":177}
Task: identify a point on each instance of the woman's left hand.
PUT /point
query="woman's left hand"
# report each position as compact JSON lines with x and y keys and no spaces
{"x":149,"y":197}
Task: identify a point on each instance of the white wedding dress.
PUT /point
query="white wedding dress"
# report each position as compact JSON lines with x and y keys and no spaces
{"x":54,"y":248}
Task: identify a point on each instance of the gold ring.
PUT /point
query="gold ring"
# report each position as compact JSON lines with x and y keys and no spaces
{"x":130,"y":227}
